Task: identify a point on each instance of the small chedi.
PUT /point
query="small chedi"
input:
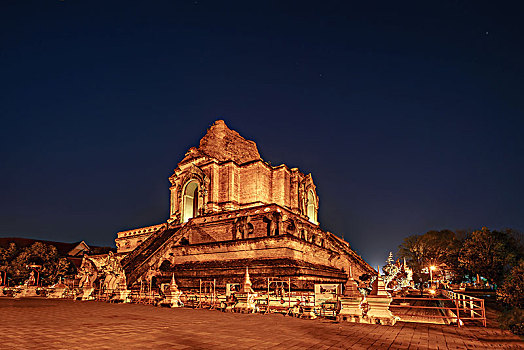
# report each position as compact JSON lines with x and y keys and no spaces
{"x":246,"y":296}
{"x":58,"y":290}
{"x":377,"y":302}
{"x":351,"y":302}
{"x":171,"y":294}
{"x":231,"y":210}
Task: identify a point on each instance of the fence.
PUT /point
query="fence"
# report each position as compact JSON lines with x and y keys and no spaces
{"x":451,"y":307}
{"x":474,"y":307}
{"x":454,"y":307}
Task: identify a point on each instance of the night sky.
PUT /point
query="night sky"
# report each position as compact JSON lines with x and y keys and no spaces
{"x":410,"y":116}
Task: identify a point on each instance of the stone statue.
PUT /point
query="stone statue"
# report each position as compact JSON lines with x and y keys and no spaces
{"x":31,"y":281}
{"x":242,"y":228}
{"x":274,"y":224}
{"x":87,"y":273}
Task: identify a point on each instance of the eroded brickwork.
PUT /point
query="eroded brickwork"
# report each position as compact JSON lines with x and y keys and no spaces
{"x":229,"y":210}
{"x":231,"y":176}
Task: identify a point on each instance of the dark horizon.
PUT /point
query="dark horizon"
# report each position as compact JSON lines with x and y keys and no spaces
{"x":409,"y":117}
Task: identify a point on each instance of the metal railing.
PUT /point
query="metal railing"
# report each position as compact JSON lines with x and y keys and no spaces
{"x":454,"y":307}
{"x":468,"y":305}
{"x":450,"y":307}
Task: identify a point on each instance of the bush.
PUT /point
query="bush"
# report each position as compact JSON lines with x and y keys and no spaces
{"x":513,"y":320}
{"x":512,"y":291}
{"x":512,"y":295}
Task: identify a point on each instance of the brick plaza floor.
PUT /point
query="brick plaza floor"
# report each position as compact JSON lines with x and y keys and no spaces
{"x":66,"y":324}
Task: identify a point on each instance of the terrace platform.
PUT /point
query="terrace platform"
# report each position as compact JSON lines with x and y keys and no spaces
{"x":65,"y":324}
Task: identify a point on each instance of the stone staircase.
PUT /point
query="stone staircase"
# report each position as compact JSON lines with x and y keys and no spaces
{"x":134,"y":263}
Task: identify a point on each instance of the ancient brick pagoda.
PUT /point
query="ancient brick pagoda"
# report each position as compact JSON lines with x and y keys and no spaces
{"x":231,"y":210}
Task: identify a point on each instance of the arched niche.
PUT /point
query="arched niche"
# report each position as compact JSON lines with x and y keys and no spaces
{"x":165,"y":266}
{"x":189,"y":203}
{"x":291,"y":228}
{"x":311,"y":207}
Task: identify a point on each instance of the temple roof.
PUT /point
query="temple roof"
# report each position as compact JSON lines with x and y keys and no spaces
{"x":223,"y":144}
{"x":64,"y":249}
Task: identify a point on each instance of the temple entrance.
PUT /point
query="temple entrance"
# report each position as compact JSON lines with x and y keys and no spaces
{"x":311,"y":214}
{"x":190,"y":201}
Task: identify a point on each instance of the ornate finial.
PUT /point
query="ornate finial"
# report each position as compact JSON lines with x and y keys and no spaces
{"x":378,"y":287}
{"x":247,"y":282}
{"x":173,"y":285}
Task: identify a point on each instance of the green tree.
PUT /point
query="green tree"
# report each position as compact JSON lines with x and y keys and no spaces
{"x":38,"y":253}
{"x":491,"y":254}
{"x":390,"y":269}
{"x":431,"y":248}
{"x":7,"y":255}
{"x":512,"y":294}
{"x":64,"y":268}
{"x":413,"y":251}
{"x":512,"y":290}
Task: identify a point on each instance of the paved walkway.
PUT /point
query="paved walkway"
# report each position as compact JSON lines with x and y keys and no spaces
{"x":66,"y":324}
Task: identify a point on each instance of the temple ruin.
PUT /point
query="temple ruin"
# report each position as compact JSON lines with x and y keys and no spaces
{"x":230,"y":210}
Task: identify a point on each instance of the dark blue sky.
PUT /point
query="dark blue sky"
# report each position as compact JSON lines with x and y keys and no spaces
{"x":410,"y":116}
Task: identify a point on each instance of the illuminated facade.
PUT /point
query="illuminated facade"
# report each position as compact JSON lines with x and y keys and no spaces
{"x":229,"y":210}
